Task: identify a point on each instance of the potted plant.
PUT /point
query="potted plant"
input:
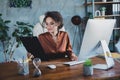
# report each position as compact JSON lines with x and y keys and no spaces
{"x":90,"y":15}
{"x":11,"y":41}
{"x":21,"y":29}
{"x":4,"y":37}
{"x":88,"y":68}
{"x":103,"y":9}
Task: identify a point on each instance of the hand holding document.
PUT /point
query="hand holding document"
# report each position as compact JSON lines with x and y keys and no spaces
{"x":30,"y":56}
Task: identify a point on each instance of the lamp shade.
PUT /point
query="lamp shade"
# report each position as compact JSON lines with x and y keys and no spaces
{"x":76,"y":20}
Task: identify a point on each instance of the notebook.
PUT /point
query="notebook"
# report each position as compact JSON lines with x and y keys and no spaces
{"x":32,"y":45}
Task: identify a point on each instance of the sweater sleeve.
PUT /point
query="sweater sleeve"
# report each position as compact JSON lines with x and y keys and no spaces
{"x":69,"y":47}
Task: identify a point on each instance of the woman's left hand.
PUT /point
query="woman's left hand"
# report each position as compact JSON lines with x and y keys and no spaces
{"x":29,"y":55}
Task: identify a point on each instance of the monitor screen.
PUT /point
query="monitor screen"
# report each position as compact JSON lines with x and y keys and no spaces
{"x":96,"y":30}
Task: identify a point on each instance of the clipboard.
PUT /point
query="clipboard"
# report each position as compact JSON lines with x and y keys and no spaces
{"x":32,"y":45}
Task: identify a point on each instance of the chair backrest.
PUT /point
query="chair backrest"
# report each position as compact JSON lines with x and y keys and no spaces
{"x":39,"y":28}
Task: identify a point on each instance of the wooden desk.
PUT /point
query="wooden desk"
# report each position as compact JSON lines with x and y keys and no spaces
{"x":8,"y":71}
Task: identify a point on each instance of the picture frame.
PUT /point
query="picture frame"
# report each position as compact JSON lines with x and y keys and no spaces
{"x":20,"y":3}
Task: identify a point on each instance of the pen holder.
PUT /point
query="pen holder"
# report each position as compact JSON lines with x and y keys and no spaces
{"x":23,"y":68}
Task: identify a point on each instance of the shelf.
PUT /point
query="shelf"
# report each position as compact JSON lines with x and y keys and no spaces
{"x":109,"y":14}
{"x":116,"y":28}
{"x":102,"y":3}
{"x":118,"y":15}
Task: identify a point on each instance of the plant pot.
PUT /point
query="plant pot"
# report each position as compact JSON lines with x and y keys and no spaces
{"x":88,"y":70}
{"x":103,"y":13}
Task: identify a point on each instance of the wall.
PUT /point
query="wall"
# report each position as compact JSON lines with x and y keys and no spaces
{"x":67,"y":8}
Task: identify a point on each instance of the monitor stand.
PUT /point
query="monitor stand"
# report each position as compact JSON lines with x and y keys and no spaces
{"x":108,"y":58}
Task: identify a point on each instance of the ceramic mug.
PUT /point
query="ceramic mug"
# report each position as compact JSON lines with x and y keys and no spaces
{"x":103,"y":0}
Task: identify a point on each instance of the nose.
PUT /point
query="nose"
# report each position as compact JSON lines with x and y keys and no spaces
{"x":49,"y":25}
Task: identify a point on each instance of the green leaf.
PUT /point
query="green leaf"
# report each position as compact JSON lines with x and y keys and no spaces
{"x":88,"y":62}
{"x":7,"y":21}
{"x":0,"y":14}
{"x":23,"y":29}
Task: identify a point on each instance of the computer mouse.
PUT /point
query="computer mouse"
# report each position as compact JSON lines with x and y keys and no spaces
{"x":51,"y":66}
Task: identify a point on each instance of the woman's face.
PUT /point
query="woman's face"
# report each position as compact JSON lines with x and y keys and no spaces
{"x":51,"y":25}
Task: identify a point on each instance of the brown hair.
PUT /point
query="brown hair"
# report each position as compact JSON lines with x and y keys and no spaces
{"x":56,"y":16}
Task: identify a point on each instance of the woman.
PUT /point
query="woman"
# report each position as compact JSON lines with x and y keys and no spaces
{"x":56,"y":44}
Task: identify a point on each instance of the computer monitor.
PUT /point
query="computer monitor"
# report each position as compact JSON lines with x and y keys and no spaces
{"x":96,"y":30}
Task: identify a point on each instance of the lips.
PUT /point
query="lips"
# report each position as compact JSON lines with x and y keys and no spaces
{"x":50,"y":30}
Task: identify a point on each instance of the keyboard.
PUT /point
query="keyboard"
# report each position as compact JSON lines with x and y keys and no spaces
{"x":71,"y":63}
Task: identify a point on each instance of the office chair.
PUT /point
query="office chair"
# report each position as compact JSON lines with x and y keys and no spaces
{"x":39,"y":28}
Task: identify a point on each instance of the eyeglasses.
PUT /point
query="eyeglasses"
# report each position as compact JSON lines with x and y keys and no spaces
{"x":49,"y":24}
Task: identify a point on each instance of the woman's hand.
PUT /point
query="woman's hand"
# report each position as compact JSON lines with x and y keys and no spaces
{"x":73,"y":57}
{"x":29,"y":55}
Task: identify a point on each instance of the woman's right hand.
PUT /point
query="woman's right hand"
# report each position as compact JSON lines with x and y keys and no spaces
{"x":73,"y":57}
